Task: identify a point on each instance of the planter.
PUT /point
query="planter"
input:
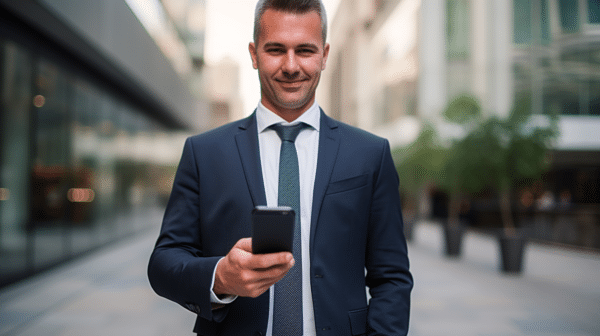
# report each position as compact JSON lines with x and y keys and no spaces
{"x":512,"y":250}
{"x":453,"y":235}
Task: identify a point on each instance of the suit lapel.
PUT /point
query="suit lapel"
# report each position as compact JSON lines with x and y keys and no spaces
{"x":249,"y":151}
{"x":329,"y":143}
{"x":247,"y":144}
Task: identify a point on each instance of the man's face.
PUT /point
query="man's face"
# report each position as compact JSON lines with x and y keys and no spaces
{"x":289,"y":55}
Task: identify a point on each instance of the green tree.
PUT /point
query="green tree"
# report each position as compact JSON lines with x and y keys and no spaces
{"x":417,"y":165}
{"x":496,"y":153}
{"x":462,"y":173}
{"x":516,"y":150}
{"x":419,"y":162}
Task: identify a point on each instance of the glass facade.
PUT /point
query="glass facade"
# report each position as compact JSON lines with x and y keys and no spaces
{"x":559,"y":72}
{"x":569,"y":15}
{"x":531,"y":19}
{"x":555,"y":59}
{"x":78,"y":166}
{"x":593,"y":7}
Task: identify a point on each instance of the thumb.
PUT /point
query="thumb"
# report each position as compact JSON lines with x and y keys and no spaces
{"x":244,"y":244}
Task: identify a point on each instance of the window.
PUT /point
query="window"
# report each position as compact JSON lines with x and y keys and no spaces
{"x":593,"y":11}
{"x":522,"y":21}
{"x":544,"y":23}
{"x":15,"y":103}
{"x":457,"y":29}
{"x":525,"y":15}
{"x":569,"y":15}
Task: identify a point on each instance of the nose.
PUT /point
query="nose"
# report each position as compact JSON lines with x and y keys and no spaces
{"x":290,"y":67}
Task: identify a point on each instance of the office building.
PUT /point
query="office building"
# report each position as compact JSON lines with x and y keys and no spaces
{"x":89,"y":111}
{"x":395,"y":64}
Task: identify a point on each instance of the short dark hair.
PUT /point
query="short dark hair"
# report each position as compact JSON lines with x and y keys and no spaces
{"x":290,"y":6}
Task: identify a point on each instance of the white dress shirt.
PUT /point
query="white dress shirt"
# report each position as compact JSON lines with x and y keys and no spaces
{"x":307,"y":147}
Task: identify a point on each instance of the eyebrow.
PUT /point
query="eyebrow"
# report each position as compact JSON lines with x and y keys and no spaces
{"x":280,"y":45}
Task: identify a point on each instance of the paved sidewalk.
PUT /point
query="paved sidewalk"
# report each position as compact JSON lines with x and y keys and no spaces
{"x":557,"y":294}
{"x":107,"y":293}
{"x":104,"y":294}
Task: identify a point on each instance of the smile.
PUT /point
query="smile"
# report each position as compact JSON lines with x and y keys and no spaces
{"x":291,"y":84}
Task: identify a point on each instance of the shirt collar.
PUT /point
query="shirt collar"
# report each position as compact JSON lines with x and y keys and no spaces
{"x":266,"y":118}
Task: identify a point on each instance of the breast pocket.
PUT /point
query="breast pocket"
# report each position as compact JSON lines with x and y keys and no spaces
{"x":347,"y":184}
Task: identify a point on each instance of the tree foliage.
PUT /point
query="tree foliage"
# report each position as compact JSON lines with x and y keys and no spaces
{"x":494,"y":152}
{"x":462,"y":110}
{"x":420,"y":162}
{"x":500,"y":153}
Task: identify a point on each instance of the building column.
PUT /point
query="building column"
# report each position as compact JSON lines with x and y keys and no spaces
{"x":432,"y":93}
{"x":500,"y":91}
{"x":478,"y":50}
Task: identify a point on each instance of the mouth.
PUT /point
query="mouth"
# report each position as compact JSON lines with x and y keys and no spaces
{"x":291,"y":84}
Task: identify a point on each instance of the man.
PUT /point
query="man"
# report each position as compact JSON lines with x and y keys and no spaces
{"x":348,"y":207}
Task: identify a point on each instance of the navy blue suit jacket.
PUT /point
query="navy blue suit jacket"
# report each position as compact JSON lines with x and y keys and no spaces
{"x":356,"y":225}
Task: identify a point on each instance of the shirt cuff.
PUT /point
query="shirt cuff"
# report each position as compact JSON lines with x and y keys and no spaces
{"x":223,"y":299}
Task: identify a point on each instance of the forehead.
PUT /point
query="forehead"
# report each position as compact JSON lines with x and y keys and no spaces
{"x":283,"y":27}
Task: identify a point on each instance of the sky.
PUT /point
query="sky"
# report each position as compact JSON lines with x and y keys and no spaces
{"x":229,"y":26}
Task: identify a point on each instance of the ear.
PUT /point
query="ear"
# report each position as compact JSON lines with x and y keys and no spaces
{"x":253,"y":55}
{"x":325,"y":56}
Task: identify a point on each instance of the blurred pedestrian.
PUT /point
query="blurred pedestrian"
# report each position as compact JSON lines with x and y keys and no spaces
{"x":526,"y":208}
{"x":565,"y":229}
{"x":544,"y":207}
{"x":348,"y":205}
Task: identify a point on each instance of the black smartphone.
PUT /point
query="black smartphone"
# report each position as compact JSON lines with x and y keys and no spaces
{"x":272,"y":229}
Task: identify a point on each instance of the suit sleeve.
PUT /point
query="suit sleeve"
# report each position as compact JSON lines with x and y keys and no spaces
{"x":177,"y":270}
{"x":388,"y":276}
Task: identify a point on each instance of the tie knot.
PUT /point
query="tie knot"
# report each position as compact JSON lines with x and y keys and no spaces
{"x":288,"y":133}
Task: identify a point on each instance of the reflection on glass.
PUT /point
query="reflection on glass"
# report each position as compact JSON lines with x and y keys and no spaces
{"x":79,"y":166}
{"x":15,"y":102}
{"x":569,"y":15}
{"x":4,"y":194}
{"x":593,"y":11}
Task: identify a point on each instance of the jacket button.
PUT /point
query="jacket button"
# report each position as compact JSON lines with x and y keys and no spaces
{"x":318,"y":275}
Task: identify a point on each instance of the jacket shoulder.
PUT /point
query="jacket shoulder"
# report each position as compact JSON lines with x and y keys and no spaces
{"x":222,"y":133}
{"x":353,"y":134}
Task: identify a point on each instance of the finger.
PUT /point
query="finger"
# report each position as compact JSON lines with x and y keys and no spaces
{"x":253,"y":282}
{"x":269,"y":260}
{"x":268,"y":279}
{"x":265,"y":260}
{"x":275,"y":274}
{"x":271,"y":275}
{"x":266,"y":271}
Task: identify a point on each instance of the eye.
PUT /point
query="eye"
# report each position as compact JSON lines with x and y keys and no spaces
{"x":306,"y":51}
{"x":275,"y":51}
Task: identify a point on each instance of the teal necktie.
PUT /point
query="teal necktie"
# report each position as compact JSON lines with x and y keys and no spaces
{"x":287,"y":309}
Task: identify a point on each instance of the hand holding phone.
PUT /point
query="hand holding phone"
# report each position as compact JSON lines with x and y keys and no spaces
{"x":246,"y":274}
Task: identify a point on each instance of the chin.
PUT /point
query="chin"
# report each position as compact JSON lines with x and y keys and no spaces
{"x":293,"y":104}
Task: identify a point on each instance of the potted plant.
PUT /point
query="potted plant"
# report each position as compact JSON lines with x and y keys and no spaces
{"x":417,"y":165}
{"x":512,"y":151}
{"x":460,"y":175}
